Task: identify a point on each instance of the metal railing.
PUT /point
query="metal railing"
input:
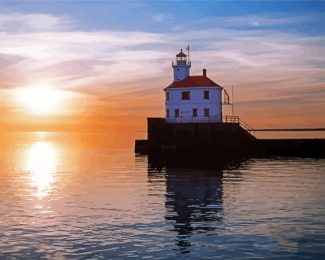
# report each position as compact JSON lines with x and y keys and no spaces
{"x":211,"y":119}
{"x":193,"y":119}
{"x":230,"y":119}
{"x":247,"y":127}
{"x":187,"y":63}
{"x":236,"y":120}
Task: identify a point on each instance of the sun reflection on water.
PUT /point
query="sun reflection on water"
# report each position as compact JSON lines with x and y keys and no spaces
{"x":41,"y":164}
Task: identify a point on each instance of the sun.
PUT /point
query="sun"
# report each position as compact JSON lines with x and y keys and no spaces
{"x":41,"y":99}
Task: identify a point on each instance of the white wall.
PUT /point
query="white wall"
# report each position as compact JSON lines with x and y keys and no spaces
{"x":196,"y":101}
{"x":181,"y":71}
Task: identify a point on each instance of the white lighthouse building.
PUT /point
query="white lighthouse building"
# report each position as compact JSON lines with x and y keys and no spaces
{"x":192,"y":99}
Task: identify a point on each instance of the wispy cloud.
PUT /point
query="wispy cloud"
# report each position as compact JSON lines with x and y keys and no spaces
{"x":158,"y":17}
{"x":245,"y":22}
{"x":42,"y":47}
{"x":121,"y":56}
{"x":18,"y":22}
{"x":93,"y":56}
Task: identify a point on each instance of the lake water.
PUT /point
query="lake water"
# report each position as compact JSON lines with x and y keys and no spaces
{"x":76,"y":196}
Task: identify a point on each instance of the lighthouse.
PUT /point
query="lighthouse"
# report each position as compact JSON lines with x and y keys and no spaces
{"x":192,"y":99}
{"x":181,"y":67}
{"x":194,"y":125}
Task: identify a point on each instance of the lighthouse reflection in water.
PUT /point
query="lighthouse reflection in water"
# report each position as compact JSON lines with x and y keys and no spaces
{"x":194,"y":201}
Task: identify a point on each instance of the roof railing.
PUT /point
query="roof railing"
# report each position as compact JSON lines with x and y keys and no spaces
{"x":182,"y":63}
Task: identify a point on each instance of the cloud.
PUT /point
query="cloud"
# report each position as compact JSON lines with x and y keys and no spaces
{"x":122,"y":66}
{"x":158,"y":17}
{"x":123,"y":56}
{"x":244,"y":22}
{"x":7,"y":60}
{"x":17,"y":22}
{"x":108,"y":55}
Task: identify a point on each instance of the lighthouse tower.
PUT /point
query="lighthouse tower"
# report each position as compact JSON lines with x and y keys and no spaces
{"x":181,"y":67}
{"x":192,"y":99}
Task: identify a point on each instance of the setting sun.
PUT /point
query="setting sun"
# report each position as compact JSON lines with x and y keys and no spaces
{"x":41,"y":99}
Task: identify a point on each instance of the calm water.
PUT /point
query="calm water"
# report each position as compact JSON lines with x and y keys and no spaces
{"x":71,"y":196}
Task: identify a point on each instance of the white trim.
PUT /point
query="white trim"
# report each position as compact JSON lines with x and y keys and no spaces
{"x":193,"y":119}
{"x":191,"y":88}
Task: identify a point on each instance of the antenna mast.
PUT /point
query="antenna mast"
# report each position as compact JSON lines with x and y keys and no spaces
{"x":188,"y":52}
{"x":232,"y":99}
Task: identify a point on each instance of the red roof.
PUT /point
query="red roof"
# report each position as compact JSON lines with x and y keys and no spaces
{"x":181,"y":54}
{"x":194,"y":81}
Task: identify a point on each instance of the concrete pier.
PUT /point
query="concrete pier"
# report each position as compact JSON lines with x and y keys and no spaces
{"x":289,"y":147}
{"x":222,"y":140}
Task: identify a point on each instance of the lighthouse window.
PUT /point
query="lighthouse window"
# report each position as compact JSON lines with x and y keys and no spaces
{"x":167,"y":96}
{"x":206,"y":94}
{"x":167,"y":112}
{"x":185,"y":95}
{"x":194,"y":112}
{"x":176,"y":112}
{"x":206,"y":112}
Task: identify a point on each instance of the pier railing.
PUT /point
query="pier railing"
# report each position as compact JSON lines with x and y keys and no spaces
{"x":247,"y":127}
{"x":211,"y":119}
{"x":231,"y":119}
{"x":237,"y":120}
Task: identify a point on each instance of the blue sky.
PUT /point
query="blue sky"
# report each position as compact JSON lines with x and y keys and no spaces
{"x":160,"y":16}
{"x":113,"y":52}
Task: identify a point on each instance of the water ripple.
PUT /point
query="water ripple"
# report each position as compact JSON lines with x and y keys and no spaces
{"x":98,"y":202}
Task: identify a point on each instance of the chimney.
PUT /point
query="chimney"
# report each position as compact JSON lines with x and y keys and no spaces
{"x":204,"y":72}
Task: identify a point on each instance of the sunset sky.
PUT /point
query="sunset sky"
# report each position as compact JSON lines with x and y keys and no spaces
{"x":103,"y":64}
